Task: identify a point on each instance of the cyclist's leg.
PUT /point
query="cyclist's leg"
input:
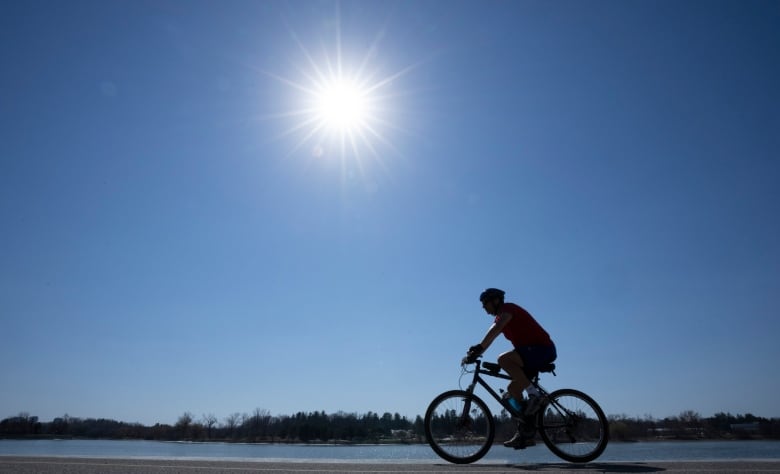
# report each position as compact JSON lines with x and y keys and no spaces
{"x":514,"y":365}
{"x":521,"y":361}
{"x":512,"y":362}
{"x":535,"y":357}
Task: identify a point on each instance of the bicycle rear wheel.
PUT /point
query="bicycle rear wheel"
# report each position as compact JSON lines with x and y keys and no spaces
{"x":573,"y":426}
{"x":459,"y":427}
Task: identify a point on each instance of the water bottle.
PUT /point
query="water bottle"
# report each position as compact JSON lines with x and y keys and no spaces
{"x":517,"y":405}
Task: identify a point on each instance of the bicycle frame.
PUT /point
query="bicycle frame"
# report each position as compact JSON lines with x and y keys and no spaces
{"x":494,"y":371}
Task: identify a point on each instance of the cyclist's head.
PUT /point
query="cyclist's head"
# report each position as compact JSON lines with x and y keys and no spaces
{"x":491,"y":299}
{"x":491,"y":294}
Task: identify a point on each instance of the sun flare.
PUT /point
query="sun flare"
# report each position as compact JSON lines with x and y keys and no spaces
{"x":342,"y":106}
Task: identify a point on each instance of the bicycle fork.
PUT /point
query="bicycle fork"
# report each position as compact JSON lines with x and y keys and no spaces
{"x":464,"y":417}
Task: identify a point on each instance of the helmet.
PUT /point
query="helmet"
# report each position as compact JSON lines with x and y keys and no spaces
{"x":490,"y":294}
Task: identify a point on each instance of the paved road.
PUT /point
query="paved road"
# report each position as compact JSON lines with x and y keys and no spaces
{"x":42,"y":465}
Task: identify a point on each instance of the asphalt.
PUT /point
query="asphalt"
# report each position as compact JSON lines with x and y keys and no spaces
{"x":68,"y":465}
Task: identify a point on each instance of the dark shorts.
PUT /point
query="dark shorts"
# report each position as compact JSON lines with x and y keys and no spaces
{"x":536,"y":356}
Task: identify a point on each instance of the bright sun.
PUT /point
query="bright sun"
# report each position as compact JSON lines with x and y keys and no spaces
{"x":342,"y":106}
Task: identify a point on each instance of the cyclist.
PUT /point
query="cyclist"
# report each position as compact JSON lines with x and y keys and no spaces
{"x":533,"y":348}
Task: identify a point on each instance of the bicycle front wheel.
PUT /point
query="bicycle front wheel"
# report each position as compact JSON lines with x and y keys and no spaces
{"x":459,"y":427}
{"x":573,"y":426}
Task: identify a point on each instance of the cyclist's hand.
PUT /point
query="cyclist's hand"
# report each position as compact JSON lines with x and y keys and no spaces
{"x":473,"y":354}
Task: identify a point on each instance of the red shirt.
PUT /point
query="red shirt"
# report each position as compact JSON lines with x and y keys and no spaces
{"x":522,"y":329}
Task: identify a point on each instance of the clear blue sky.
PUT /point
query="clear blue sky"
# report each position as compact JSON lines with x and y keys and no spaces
{"x":178,"y":235}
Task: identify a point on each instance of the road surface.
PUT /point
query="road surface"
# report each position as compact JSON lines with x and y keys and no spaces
{"x":68,"y":465}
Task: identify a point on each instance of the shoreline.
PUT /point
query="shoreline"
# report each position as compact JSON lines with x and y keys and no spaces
{"x":349,"y":443}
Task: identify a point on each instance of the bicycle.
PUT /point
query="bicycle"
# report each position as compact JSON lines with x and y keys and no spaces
{"x":460,"y":428}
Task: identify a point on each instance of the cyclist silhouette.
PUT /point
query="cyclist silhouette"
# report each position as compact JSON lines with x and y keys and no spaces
{"x":533,"y":349}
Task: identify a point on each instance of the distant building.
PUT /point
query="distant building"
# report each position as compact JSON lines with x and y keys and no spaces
{"x":402,"y":434}
{"x":676,"y":433}
{"x":748,"y":427}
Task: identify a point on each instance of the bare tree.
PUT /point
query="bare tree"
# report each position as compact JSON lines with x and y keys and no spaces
{"x":232,"y":422}
{"x":690,"y":417}
{"x":259,"y":422}
{"x":184,"y":424}
{"x":209,"y":421}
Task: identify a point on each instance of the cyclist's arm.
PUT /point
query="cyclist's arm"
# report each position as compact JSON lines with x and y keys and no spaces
{"x":495,"y":329}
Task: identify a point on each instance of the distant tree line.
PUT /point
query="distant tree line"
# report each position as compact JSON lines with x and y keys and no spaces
{"x":256,"y":427}
{"x":318,"y":426}
{"x":691,"y":425}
